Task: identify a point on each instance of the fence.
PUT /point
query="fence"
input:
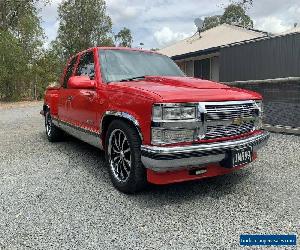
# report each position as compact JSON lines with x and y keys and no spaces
{"x":281,"y":100}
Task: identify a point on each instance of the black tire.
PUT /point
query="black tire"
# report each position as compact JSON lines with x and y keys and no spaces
{"x":53,"y":133}
{"x":134,"y":174}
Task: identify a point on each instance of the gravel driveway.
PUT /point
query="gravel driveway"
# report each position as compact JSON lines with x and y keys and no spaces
{"x":58,"y":196}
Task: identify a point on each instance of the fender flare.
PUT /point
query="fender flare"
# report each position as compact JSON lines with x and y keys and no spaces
{"x":125,"y":116}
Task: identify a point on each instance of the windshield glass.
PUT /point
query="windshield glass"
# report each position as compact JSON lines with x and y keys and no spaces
{"x":117,"y":65}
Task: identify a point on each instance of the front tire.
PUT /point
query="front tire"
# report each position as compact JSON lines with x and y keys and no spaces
{"x":123,"y":157}
{"x":53,"y":133}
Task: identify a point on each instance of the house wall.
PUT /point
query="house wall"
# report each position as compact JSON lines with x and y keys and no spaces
{"x":215,"y":68}
{"x":277,"y":57}
{"x":188,"y":65}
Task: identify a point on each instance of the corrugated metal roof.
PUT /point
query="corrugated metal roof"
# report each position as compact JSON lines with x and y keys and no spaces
{"x":221,"y":35}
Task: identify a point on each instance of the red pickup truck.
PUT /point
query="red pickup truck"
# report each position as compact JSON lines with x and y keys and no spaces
{"x":155,"y":124}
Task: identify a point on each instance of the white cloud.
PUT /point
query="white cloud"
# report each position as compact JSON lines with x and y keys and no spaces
{"x":272,"y":24}
{"x":121,"y":11}
{"x":166,"y":36}
{"x":158,"y":23}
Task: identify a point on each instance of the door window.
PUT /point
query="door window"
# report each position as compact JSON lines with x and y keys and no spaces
{"x":86,"y":65}
{"x":69,"y":71}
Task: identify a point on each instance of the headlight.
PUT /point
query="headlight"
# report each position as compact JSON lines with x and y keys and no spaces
{"x":162,"y":136}
{"x":177,"y":115}
{"x":173,"y":112}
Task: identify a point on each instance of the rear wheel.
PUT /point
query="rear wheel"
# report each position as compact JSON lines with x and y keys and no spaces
{"x":123,"y":157}
{"x":53,"y":133}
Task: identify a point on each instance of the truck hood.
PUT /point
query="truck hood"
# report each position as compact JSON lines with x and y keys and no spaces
{"x":186,"y":89}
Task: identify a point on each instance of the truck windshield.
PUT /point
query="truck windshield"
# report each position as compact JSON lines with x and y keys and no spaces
{"x":120,"y":65}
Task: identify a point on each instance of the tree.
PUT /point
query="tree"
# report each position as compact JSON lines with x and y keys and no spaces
{"x":124,"y":38}
{"x":210,"y":22}
{"x":26,"y":68}
{"x":245,"y":4}
{"x":48,"y":68}
{"x":13,"y":67}
{"x":83,"y":24}
{"x":21,"y":38}
{"x":235,"y":14}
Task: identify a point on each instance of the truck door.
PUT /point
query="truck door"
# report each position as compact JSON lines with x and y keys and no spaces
{"x":65,"y":97}
{"x":84,"y":101}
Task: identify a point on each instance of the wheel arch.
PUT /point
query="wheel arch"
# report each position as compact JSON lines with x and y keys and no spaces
{"x":110,"y":116}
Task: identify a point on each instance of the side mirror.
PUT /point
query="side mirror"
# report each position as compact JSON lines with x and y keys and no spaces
{"x":81,"y":82}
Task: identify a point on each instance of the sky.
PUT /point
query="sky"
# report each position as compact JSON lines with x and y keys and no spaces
{"x":159,"y":23}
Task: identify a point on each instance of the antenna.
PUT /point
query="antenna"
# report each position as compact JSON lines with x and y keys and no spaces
{"x":199,"y":24}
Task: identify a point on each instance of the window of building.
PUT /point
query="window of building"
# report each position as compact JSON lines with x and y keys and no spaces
{"x":202,"y":68}
{"x":190,"y":68}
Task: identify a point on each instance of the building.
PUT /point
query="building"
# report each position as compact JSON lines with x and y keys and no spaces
{"x":229,"y":53}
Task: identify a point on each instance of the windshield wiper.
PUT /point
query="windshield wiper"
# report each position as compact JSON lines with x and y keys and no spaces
{"x":132,"y":78}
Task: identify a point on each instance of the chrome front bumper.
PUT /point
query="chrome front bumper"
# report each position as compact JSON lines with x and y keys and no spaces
{"x":163,"y":159}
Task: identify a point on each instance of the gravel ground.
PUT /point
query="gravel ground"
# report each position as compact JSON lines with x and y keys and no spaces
{"x":58,"y":196}
{"x":9,"y":105}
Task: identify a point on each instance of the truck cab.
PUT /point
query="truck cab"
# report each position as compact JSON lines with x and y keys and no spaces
{"x":155,"y":124}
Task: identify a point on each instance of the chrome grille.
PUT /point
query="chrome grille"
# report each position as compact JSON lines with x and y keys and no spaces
{"x":230,"y":130}
{"x":220,"y":119}
{"x":229,"y":112}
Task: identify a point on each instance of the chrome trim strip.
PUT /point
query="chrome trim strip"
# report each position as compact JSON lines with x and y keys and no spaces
{"x":123,"y":115}
{"x":176,"y":104}
{"x":202,"y":114}
{"x":188,"y":124}
{"x":173,"y":158}
{"x":204,"y":146}
{"x":229,"y":102}
{"x":85,"y":135}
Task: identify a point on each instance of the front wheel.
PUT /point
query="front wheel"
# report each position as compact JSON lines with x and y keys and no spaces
{"x":123,"y":157}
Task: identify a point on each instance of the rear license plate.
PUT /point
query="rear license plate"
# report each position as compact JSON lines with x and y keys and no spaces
{"x":241,"y":156}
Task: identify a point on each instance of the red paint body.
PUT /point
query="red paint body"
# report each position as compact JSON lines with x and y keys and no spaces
{"x":136,"y":98}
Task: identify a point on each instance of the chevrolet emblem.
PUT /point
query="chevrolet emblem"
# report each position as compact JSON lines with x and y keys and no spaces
{"x":240,"y":120}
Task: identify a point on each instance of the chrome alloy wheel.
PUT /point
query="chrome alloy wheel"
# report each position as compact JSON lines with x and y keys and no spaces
{"x":48,"y":123}
{"x":119,"y":155}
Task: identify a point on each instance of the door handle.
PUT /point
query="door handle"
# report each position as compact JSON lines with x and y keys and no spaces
{"x":69,"y":98}
{"x":89,"y":94}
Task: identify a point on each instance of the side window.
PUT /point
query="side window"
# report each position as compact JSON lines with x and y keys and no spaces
{"x":86,"y":65}
{"x":103,"y":64}
{"x":69,"y":71}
